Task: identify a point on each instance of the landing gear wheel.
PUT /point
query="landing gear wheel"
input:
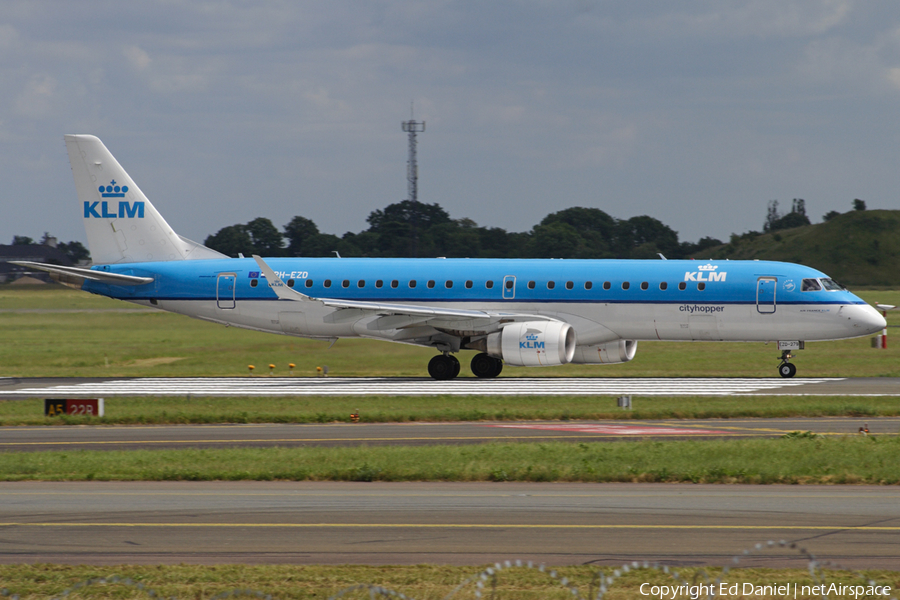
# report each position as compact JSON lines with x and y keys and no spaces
{"x":787,"y":369}
{"x":483,"y":365}
{"x":443,"y":367}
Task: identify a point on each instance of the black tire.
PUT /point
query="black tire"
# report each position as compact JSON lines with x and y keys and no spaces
{"x":485,"y":366}
{"x":482,"y":365}
{"x":498,"y":367}
{"x":787,"y":370}
{"x":443,"y":367}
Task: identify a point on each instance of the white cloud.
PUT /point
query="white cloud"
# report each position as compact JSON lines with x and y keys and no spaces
{"x":138,"y":57}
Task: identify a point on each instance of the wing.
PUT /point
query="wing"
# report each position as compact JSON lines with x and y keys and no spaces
{"x":395,"y":316}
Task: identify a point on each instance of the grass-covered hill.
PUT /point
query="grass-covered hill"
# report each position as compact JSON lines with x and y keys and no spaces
{"x":859,"y":248}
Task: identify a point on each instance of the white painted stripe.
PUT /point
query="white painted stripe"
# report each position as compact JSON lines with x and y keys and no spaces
{"x":334,"y":386}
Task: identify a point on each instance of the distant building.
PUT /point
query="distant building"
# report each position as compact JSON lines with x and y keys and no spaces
{"x":32,"y":252}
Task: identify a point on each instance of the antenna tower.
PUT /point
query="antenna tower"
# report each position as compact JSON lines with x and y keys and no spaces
{"x":412,"y":127}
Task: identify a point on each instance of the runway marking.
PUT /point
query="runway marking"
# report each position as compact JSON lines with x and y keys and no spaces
{"x":461,"y":526}
{"x":373,"y":386}
{"x":617,"y":430}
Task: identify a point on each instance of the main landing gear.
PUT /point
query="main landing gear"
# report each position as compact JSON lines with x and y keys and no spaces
{"x":787,"y":369}
{"x":443,"y":366}
{"x":484,"y":365}
{"x":446,"y":366}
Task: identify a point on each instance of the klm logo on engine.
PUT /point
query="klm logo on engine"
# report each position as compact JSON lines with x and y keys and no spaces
{"x":532,"y":343}
{"x":705,"y":273}
{"x":104,"y":209}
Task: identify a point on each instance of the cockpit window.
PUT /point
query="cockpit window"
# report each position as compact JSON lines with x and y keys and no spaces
{"x":810,"y":285}
{"x":831,"y":285}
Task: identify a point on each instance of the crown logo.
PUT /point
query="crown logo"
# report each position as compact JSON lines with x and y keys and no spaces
{"x":112,"y":190}
{"x":707,"y":267}
{"x":531,"y":337}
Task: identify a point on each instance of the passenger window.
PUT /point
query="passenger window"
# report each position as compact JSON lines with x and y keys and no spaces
{"x":395,"y":283}
{"x":606,"y":285}
{"x":379,"y":283}
{"x":570,"y":285}
{"x":509,"y":284}
{"x":625,"y":285}
{"x":645,"y":285}
{"x":290,"y":283}
{"x":682,"y":286}
{"x":448,"y":284}
{"x":701,"y":286}
{"x":345,"y":283}
{"x":588,"y":285}
{"x":551,"y":285}
{"x":309,"y":283}
{"x":530,"y":285}
{"x":361,"y":283}
{"x":469,"y":284}
{"x":488,"y":284}
{"x":663,"y":285}
{"x":430,"y":283}
{"x":810,"y":285}
{"x":327,"y":283}
{"x":254,"y":282}
{"x":412,"y":283}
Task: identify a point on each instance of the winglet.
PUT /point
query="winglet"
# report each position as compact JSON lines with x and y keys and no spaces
{"x":277,"y":285}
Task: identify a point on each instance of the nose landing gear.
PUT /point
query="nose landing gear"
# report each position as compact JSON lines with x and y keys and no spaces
{"x":786,"y":369}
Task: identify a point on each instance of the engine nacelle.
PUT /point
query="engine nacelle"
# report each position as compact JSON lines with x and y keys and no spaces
{"x":533,"y":344}
{"x":606,"y":354}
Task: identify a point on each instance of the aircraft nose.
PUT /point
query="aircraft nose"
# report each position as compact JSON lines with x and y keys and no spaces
{"x":863,"y":319}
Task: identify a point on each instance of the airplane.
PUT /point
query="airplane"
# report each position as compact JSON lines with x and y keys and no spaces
{"x":516,"y":312}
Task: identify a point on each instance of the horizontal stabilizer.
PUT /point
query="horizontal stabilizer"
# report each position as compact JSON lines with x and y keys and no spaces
{"x":77,"y":272}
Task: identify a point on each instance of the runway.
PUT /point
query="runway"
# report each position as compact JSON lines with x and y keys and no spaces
{"x":509,"y":386}
{"x":444,"y":523}
{"x":105,"y":437}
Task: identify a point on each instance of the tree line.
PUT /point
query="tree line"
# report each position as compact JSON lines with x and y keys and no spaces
{"x":408,"y":229}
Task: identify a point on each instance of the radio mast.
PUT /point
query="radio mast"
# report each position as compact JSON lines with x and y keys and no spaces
{"x":412,"y":127}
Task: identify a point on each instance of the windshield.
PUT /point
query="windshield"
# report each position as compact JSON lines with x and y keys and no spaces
{"x":810,"y":285}
{"x":831,"y":285}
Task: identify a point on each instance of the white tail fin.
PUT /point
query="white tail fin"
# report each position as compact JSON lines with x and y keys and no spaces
{"x":122,"y":225}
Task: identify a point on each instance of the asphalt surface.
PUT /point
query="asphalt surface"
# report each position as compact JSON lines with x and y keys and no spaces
{"x":446,"y":523}
{"x":13,"y":388}
{"x":466,"y":524}
{"x":104,"y":437}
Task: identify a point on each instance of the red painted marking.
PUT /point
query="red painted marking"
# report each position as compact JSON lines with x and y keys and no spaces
{"x":616,"y":429}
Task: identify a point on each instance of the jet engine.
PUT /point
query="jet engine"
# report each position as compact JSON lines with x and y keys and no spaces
{"x":533,"y":344}
{"x":605,"y":354}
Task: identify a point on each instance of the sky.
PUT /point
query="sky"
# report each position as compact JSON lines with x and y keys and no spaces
{"x":695,"y":113}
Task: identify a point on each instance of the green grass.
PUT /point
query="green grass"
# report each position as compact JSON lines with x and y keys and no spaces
{"x":158,"y":344}
{"x":388,"y":409}
{"x":870,"y":460}
{"x":423,"y":582}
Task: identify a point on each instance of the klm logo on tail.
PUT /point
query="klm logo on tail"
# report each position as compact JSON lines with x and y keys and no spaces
{"x":109,"y":210}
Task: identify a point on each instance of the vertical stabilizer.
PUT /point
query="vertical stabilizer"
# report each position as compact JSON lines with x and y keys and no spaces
{"x":122,"y":225}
